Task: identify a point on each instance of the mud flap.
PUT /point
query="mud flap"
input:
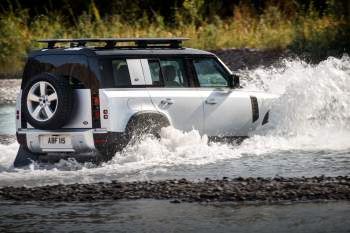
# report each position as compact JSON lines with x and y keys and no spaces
{"x":24,"y":157}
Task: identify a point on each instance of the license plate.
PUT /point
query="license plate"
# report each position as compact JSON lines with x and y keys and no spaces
{"x":55,"y":141}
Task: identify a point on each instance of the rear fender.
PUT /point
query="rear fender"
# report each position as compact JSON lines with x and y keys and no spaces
{"x":146,"y":119}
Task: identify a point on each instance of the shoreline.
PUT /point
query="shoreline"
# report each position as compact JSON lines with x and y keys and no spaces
{"x":237,"y":190}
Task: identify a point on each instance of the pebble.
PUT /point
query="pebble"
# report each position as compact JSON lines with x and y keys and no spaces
{"x":207,"y":190}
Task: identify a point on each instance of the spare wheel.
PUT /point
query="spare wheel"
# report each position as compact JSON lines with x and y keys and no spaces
{"x":47,"y":101}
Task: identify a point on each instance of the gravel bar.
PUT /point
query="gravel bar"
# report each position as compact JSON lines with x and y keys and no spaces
{"x":240,"y":189}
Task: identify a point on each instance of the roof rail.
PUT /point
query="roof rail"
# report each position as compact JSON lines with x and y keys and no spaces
{"x":112,"y":42}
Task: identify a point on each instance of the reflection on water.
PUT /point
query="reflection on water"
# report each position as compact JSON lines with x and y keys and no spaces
{"x":162,"y":216}
{"x":7,"y":119}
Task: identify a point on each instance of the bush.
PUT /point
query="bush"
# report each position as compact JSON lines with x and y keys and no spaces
{"x":273,"y":27}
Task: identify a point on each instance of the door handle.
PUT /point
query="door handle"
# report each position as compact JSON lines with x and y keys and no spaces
{"x":210,"y":101}
{"x":167,"y":101}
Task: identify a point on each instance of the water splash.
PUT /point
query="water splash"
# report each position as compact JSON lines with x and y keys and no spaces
{"x":311,"y":96}
{"x":313,"y":110}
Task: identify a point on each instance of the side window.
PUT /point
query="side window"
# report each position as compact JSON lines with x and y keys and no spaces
{"x":170,"y":72}
{"x":156,"y":76}
{"x":210,"y":73}
{"x":114,"y":73}
{"x":121,"y":74}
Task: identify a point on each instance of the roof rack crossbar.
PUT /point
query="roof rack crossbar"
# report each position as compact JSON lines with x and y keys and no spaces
{"x":112,"y":42}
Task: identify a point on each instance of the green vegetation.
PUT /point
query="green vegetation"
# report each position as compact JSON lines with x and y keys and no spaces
{"x":301,"y":29}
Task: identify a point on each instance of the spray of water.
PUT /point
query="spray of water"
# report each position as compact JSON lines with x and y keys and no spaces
{"x":312,"y":113}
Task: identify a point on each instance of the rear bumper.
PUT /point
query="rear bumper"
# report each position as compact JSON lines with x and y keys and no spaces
{"x":82,"y":140}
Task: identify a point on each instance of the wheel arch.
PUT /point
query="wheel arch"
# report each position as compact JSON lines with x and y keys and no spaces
{"x":149,"y":115}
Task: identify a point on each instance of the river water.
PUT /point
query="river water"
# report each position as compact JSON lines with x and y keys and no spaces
{"x":162,"y":216}
{"x":309,"y":135}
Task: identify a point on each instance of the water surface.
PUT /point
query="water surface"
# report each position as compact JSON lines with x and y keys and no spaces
{"x":162,"y":216}
{"x":7,"y":119}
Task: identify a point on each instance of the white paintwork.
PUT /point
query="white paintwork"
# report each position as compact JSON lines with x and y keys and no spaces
{"x":146,"y":71}
{"x":81,"y":115}
{"x":82,"y":139}
{"x":182,"y":106}
{"x":227,"y":112}
{"x":136,"y":72}
{"x":121,"y":104}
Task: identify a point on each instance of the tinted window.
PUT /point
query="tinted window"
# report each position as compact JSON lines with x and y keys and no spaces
{"x":115,"y":73}
{"x":121,"y":74}
{"x":210,"y":73}
{"x":154,"y":67}
{"x":73,"y":66}
{"x":169,"y":71}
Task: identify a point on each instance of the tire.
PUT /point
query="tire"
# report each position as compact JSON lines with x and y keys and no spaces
{"x":41,"y":107}
{"x":145,"y":124}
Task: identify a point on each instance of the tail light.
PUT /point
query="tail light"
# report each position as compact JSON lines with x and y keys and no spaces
{"x":96,"y":111}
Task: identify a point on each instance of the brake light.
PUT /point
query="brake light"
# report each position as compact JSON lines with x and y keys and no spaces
{"x":96,"y":115}
{"x":95,"y":100}
{"x":95,"y":107}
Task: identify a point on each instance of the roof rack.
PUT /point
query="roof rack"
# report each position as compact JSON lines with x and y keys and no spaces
{"x":112,"y":42}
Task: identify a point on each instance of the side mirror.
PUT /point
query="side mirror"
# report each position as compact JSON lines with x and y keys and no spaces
{"x":234,"y":81}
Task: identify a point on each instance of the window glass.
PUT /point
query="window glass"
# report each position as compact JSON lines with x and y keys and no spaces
{"x":210,"y":73}
{"x":121,"y":74}
{"x":174,"y":74}
{"x":169,"y":71}
{"x":114,"y":73}
{"x":155,"y":72}
{"x":73,"y":66}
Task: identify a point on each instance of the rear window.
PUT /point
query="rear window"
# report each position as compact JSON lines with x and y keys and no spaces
{"x":115,"y":73}
{"x":73,"y":66}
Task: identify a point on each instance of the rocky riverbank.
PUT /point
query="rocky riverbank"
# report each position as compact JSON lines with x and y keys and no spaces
{"x":269,"y":190}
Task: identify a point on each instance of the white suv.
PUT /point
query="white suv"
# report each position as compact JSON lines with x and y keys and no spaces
{"x":94,"y":100}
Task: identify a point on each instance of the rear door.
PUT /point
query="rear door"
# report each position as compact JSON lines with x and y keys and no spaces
{"x":172,"y":93}
{"x":227,"y":112}
{"x":123,"y":92}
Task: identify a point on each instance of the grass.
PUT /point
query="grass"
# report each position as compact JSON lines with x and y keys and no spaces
{"x":310,"y":32}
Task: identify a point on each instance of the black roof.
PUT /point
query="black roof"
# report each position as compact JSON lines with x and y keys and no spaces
{"x":143,"y":46}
